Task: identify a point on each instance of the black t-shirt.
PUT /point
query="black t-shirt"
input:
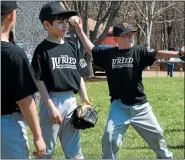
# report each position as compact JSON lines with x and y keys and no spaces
{"x":124,"y":71}
{"x":60,"y":66}
{"x":17,"y":80}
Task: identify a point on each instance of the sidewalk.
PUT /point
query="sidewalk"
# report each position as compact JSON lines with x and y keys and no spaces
{"x":161,"y":74}
{"x":101,"y":75}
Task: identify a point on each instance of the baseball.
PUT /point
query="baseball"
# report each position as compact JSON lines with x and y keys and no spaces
{"x":73,"y":19}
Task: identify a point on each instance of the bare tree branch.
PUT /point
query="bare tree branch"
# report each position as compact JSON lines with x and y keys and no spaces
{"x":162,"y":10}
{"x":107,"y":13}
{"x":85,"y":19}
{"x":146,"y":11}
{"x":152,"y":7}
{"x":140,"y":29}
{"x":76,"y":5}
{"x":98,"y":23}
{"x":116,"y":6}
{"x":180,"y":12}
{"x":137,"y":6}
{"x":169,"y":21}
{"x":66,"y":5}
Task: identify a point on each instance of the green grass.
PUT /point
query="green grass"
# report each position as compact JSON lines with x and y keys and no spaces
{"x":166,"y":95}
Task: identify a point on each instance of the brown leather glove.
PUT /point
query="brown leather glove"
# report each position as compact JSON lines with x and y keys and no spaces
{"x":85,"y":116}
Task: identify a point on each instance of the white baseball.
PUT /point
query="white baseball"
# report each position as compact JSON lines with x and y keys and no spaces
{"x":74,"y":19}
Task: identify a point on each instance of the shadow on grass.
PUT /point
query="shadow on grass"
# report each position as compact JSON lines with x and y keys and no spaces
{"x":176,"y":147}
{"x":169,"y":147}
{"x":174,"y":130}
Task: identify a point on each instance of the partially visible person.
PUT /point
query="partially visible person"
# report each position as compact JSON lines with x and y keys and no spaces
{"x":171,"y":65}
{"x":58,"y":68}
{"x":17,"y":85}
{"x":129,"y":105}
{"x":170,"y":68}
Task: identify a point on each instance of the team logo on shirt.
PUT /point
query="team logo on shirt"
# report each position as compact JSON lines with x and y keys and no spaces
{"x":83,"y":63}
{"x":121,"y":62}
{"x":64,"y":62}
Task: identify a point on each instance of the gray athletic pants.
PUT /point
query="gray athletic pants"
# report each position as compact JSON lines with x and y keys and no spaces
{"x":69,"y":137}
{"x":142,"y":119}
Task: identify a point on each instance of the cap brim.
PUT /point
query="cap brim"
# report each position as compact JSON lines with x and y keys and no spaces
{"x":131,"y":30}
{"x":8,"y":12}
{"x":66,"y":13}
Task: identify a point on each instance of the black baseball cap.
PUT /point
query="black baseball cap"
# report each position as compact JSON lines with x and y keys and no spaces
{"x":122,"y":29}
{"x":8,"y":7}
{"x":55,"y":8}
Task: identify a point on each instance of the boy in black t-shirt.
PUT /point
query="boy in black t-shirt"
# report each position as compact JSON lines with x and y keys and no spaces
{"x":17,"y":104}
{"x":129,"y":106}
{"x":58,"y":68}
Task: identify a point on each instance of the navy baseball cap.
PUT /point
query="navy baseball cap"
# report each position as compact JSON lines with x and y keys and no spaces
{"x":55,"y":8}
{"x":122,"y":29}
{"x":8,"y":7}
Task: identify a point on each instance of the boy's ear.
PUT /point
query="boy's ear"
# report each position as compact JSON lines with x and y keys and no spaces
{"x":46,"y":25}
{"x":10,"y":16}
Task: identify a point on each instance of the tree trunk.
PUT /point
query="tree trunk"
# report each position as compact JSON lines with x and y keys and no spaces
{"x":169,"y":32}
{"x":165,"y":35}
{"x":138,"y":36}
{"x":148,"y":35}
{"x":85,"y":19}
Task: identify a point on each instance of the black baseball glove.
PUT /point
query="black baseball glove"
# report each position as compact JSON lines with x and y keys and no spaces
{"x":85,"y":116}
{"x":181,"y":54}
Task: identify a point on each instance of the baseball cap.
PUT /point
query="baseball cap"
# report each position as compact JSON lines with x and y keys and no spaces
{"x":122,"y":29}
{"x":55,"y":8}
{"x":7,"y":7}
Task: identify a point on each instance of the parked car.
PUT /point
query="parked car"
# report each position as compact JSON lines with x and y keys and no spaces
{"x":98,"y":68}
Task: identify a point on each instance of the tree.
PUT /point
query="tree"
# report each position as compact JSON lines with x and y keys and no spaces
{"x":148,"y":11}
{"x":104,"y":13}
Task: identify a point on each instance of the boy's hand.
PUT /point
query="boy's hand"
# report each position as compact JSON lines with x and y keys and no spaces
{"x":54,"y":115}
{"x":85,"y":116}
{"x":181,"y":54}
{"x":182,"y":50}
{"x":77,"y":23}
{"x":40,"y":148}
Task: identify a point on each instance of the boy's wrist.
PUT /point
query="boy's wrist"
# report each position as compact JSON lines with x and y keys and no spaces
{"x":79,"y":33}
{"x":86,"y":102}
{"x":51,"y":107}
{"x":37,"y":136}
{"x":49,"y":104}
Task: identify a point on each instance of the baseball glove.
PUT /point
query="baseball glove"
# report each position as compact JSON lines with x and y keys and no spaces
{"x":181,"y":54}
{"x":85,"y":116}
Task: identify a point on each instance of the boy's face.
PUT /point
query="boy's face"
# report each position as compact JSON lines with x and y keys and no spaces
{"x":58,"y":27}
{"x":127,"y":39}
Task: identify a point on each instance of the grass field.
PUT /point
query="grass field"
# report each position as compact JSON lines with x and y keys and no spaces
{"x":166,"y":95}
